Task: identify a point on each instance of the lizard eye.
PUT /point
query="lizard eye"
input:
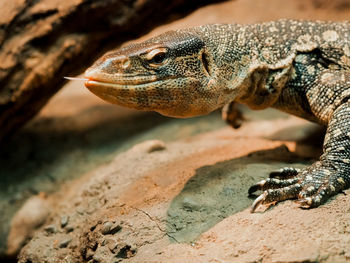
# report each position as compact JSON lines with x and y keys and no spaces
{"x":156,"y":57}
{"x":159,"y":58}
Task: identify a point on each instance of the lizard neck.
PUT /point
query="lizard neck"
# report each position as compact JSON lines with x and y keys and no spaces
{"x":239,"y":72}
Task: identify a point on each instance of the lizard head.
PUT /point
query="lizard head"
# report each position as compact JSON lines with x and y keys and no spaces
{"x":170,"y":74}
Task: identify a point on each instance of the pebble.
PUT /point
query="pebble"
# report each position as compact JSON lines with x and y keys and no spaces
{"x":69,"y":229}
{"x":124,"y":250}
{"x":106,"y":227}
{"x":69,"y":259}
{"x":64,"y":243}
{"x":89,"y":254}
{"x":50,"y":229}
{"x":104,"y":242}
{"x":64,"y":220}
{"x":157,"y":146}
{"x":110,"y":228}
{"x":112,"y":245}
{"x":101,"y":255}
{"x":80,"y":210}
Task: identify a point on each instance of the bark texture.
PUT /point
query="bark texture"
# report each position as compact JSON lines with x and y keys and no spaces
{"x":43,"y":40}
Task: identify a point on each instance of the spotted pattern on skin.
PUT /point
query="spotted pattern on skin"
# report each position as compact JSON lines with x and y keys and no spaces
{"x":299,"y":67}
{"x":311,"y":70}
{"x":337,"y":132}
{"x":330,"y":36}
{"x":327,"y":77}
{"x":347,"y":50}
{"x":341,"y":181}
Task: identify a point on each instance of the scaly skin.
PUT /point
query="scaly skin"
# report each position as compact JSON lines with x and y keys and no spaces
{"x":299,"y":67}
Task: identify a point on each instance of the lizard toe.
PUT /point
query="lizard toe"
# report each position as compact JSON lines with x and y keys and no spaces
{"x":312,"y":201}
{"x":276,"y":195}
{"x":271,"y":183}
{"x":312,"y":197}
{"x":307,"y":192}
{"x":284,"y":173}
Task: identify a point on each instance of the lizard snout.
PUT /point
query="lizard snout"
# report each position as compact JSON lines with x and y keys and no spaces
{"x":110,"y":65}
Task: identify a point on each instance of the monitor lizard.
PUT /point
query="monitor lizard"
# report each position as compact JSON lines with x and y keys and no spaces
{"x":299,"y":67}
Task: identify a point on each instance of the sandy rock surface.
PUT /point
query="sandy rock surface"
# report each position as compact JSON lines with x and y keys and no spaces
{"x":187,"y":201}
{"x":127,"y":186}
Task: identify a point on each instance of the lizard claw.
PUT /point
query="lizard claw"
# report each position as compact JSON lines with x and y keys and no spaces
{"x":282,"y":185}
{"x":305,"y":203}
{"x":256,"y":187}
{"x":258,"y":201}
{"x":311,"y":186}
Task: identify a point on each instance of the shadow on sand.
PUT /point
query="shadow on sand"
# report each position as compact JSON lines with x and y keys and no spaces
{"x":220,"y":190}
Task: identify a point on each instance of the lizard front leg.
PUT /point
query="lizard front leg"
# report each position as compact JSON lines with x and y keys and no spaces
{"x":232,"y":115}
{"x":313,"y":185}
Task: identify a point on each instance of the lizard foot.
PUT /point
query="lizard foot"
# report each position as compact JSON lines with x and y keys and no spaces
{"x":232,"y":115}
{"x":312,"y":186}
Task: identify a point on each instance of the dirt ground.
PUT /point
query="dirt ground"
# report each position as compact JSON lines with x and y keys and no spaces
{"x":107,"y":184}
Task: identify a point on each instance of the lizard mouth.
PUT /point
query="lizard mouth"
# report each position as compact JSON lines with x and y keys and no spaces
{"x":123,"y":80}
{"x":119,"y":82}
{"x":91,"y":84}
{"x":142,"y":96}
{"x":166,"y":96}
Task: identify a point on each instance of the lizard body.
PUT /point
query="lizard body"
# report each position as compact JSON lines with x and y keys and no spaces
{"x":300,"y":67}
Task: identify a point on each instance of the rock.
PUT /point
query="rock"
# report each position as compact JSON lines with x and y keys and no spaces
{"x":89,"y":254}
{"x":110,"y":228}
{"x":106,"y":228}
{"x":32,"y":214}
{"x":156,"y":145}
{"x":102,"y":255}
{"x":69,"y":228}
{"x":50,"y":229}
{"x":123,"y":250}
{"x":64,"y":221}
{"x":112,"y":245}
{"x":65,"y":242}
